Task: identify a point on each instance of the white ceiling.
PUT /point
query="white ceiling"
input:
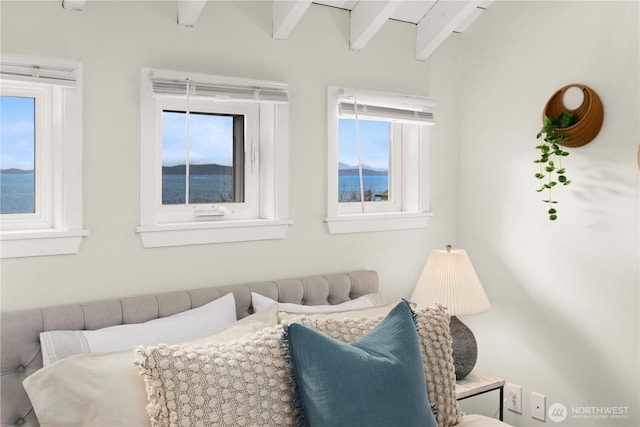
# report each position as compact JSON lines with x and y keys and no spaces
{"x":435,"y":20}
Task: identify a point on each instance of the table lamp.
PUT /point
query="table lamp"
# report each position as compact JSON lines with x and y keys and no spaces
{"x":448,"y":278}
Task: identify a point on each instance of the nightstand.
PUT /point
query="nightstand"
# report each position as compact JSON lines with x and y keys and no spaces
{"x":476,"y":383}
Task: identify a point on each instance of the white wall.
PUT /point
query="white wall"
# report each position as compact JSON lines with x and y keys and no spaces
{"x":115,"y":39}
{"x":565,"y":295}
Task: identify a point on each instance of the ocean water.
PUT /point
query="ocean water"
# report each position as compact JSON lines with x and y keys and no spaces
{"x":202,"y":189}
{"x":349,"y":187}
{"x":17,"y":190}
{"x":17,"y":193}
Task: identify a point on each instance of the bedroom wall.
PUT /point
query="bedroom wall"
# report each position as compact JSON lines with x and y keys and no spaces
{"x":565,"y":294}
{"x":115,"y":39}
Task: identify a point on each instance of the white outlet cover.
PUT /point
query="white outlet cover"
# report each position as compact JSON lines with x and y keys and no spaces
{"x":538,"y":406}
{"x":513,"y":395}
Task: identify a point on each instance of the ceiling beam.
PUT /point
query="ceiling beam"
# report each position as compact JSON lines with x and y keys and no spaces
{"x":440,"y":22}
{"x":74,"y":4}
{"x":189,"y":11}
{"x":367,"y":17}
{"x":286,"y":15}
{"x":473,"y":16}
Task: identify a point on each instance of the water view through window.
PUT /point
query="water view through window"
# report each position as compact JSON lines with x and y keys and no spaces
{"x":17,"y":155}
{"x":209,"y":154}
{"x":375,"y":145}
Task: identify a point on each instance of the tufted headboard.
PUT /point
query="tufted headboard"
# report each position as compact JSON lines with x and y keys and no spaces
{"x":20,"y":346}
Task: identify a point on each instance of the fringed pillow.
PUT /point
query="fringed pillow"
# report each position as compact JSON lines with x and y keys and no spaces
{"x":378,"y":381}
{"x":435,"y":344}
{"x":243,"y":383}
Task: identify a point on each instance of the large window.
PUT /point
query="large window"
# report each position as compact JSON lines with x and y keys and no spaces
{"x":40,"y":156}
{"x":213,"y":159}
{"x":378,"y":152}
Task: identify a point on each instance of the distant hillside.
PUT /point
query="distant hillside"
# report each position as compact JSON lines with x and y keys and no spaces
{"x":365,"y":172}
{"x":211,"y":169}
{"x":348,"y":170}
{"x":14,"y":171}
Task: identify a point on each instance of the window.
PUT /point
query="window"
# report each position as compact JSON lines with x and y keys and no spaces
{"x":214,"y":154}
{"x":41,"y":156}
{"x":378,"y":159}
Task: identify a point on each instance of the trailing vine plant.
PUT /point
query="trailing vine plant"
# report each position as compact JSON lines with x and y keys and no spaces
{"x":551,"y":153}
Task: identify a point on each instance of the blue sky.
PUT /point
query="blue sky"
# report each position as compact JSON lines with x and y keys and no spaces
{"x":210,"y":139}
{"x":16,"y":132}
{"x":374,"y":141}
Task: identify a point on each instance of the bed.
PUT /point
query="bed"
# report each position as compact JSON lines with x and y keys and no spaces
{"x":22,"y":355}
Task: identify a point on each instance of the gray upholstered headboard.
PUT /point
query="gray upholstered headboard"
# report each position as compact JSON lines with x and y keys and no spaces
{"x":20,"y":331}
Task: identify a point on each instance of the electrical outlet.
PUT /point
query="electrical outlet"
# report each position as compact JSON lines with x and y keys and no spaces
{"x":538,"y":406}
{"x":514,"y":397}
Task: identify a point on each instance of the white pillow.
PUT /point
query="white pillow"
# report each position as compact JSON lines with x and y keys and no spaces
{"x":105,"y":389}
{"x":360,"y":313}
{"x":259,"y":302}
{"x":196,"y":322}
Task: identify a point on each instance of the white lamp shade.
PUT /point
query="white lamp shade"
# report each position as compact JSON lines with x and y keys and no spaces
{"x":448,"y":278}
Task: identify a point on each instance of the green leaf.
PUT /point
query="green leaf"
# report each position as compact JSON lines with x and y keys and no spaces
{"x":539,"y":175}
{"x":560,"y":171}
{"x":562,"y":178}
{"x":552,"y":211}
{"x":553,"y":217}
{"x":567,"y":182}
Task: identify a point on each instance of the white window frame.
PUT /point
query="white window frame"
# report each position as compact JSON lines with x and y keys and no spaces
{"x":55,"y":228}
{"x":267,"y":150}
{"x":411,"y":117}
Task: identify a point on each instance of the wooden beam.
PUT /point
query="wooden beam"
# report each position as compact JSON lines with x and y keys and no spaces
{"x":74,"y":4}
{"x":189,"y":11}
{"x":286,"y":15}
{"x":473,"y":16}
{"x":367,"y":17}
{"x":440,"y":22}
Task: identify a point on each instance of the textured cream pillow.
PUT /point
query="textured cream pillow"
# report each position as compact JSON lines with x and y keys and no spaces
{"x":242,"y":383}
{"x":105,"y":389}
{"x":245,"y":382}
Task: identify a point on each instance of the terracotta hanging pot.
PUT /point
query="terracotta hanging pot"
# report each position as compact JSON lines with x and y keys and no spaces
{"x":590,"y":115}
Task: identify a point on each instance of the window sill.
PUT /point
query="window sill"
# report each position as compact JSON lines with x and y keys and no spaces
{"x":201,"y":233}
{"x":17,"y":244}
{"x":362,"y":223}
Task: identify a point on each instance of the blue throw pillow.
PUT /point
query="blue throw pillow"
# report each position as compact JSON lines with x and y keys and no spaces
{"x":376,"y":381}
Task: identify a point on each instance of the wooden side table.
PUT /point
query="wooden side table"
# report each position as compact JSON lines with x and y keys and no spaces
{"x":477,"y":383}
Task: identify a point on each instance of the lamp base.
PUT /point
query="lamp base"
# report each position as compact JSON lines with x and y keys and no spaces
{"x":465,"y":349}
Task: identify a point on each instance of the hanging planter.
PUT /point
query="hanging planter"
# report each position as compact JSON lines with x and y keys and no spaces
{"x":563,"y":127}
{"x":588,"y":116}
